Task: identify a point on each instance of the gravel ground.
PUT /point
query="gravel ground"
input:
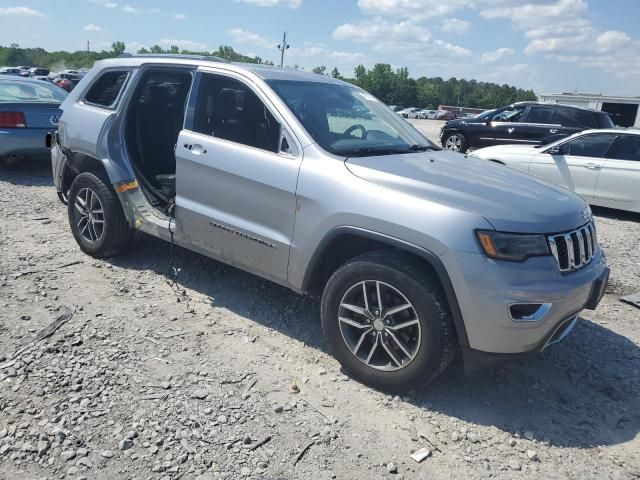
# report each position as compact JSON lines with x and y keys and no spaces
{"x":225,"y":375}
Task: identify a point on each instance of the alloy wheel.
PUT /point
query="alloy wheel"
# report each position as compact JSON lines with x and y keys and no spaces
{"x":379,"y":325}
{"x":89,"y":215}
{"x":454,"y":143}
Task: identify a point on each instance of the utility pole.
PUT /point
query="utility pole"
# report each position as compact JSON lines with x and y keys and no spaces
{"x":283,"y":47}
{"x":88,"y":49}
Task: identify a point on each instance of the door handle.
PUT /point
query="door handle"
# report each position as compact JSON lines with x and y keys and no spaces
{"x":592,"y":166}
{"x":553,"y":130}
{"x":197,"y":149}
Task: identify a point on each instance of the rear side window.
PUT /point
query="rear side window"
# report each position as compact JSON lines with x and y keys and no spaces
{"x":575,"y":117}
{"x":540,"y":115}
{"x":626,"y":147}
{"x":106,"y":89}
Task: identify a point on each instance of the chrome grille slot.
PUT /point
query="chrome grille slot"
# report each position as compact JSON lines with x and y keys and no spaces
{"x":575,"y":249}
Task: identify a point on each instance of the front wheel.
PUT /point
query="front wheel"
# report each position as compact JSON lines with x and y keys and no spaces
{"x":456,"y":142}
{"x":96,"y":217}
{"x":387,"y":321}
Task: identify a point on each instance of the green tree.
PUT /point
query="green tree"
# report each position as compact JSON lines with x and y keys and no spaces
{"x":322,"y":70}
{"x":118,"y":48}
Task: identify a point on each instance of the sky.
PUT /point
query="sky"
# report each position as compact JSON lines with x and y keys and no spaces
{"x":544,"y":45}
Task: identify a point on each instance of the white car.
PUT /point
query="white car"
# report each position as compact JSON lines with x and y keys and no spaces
{"x":428,"y":114}
{"x":601,"y":165}
{"x":410,"y":112}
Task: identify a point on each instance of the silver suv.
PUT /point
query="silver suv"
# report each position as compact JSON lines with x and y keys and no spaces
{"x":314,"y":184}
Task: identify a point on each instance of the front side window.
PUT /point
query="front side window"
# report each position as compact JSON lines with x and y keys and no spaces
{"x":594,"y":145}
{"x":626,"y":147}
{"x":106,"y":89}
{"x":511,"y":114}
{"x":347,"y":121}
{"x":228,"y":109}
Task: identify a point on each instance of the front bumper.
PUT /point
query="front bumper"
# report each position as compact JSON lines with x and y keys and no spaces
{"x":486,"y":289}
{"x":18,"y":143}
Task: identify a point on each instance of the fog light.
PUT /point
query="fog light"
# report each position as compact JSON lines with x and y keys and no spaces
{"x":529,"y":312}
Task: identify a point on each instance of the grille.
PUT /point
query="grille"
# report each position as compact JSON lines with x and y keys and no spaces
{"x":575,"y":249}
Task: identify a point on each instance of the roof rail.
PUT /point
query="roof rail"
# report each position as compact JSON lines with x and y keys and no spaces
{"x":206,"y":58}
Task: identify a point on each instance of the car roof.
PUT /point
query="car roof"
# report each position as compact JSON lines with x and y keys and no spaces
{"x":559,"y":105}
{"x":631,"y":131}
{"x":266,"y":72}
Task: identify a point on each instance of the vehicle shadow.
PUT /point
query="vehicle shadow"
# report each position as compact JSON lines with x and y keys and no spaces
{"x":582,"y":393}
{"x":614,"y":214}
{"x":28,"y":172}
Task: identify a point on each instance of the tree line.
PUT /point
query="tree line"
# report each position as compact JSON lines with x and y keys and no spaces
{"x":398,"y":88}
{"x":394,"y":87}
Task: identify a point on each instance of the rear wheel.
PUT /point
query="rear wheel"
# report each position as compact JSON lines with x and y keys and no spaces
{"x":387,"y":321}
{"x":96,"y":217}
{"x":455,"y":142}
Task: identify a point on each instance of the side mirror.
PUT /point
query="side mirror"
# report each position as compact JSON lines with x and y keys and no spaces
{"x":557,"y":150}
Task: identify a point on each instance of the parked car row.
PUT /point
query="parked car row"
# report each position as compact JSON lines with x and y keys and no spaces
{"x":65,"y":79}
{"x":423,"y":114}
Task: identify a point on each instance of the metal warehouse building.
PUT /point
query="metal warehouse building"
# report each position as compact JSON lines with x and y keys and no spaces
{"x":623,"y":110}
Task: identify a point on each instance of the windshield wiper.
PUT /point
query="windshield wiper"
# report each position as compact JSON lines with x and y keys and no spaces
{"x":420,"y":148}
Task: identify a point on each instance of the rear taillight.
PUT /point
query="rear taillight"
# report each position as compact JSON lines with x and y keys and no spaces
{"x":12,"y":120}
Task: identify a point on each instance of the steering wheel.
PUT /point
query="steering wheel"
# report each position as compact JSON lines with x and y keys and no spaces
{"x":355,"y":127}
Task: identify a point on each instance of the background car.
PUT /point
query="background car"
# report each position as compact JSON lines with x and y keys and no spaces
{"x":525,"y":123}
{"x":429,"y":114}
{"x":411,"y":112}
{"x":29,"y":109}
{"x":10,"y":71}
{"x":445,"y":115}
{"x":601,"y":165}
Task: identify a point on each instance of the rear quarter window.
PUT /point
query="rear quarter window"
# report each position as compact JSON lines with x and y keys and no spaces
{"x":104,"y":91}
{"x":575,"y":117}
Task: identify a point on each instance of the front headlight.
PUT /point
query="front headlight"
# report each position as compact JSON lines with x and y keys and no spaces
{"x":513,"y":247}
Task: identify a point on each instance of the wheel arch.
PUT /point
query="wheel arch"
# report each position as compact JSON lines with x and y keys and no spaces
{"x":77,"y":163}
{"x":345,"y":242}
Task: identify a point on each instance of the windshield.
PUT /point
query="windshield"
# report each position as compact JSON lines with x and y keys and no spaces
{"x":25,"y":91}
{"x":347,"y":121}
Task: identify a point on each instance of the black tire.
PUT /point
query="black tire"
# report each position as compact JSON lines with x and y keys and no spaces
{"x":116,"y":234}
{"x":464,"y":144}
{"x":438,"y":344}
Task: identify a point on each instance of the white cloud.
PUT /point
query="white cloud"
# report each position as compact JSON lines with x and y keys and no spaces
{"x":274,"y":3}
{"x":183,"y":45}
{"x":21,"y":11}
{"x":499,"y":54}
{"x":411,"y":8}
{"x":405,"y":37}
{"x":129,"y":9}
{"x":179,"y":16}
{"x":240,"y":35}
{"x":91,"y":28}
{"x":529,"y":15}
{"x":455,"y":25}
{"x":105,"y":3}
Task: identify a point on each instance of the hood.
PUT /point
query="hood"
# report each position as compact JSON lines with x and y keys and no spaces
{"x":511,"y":201}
